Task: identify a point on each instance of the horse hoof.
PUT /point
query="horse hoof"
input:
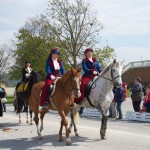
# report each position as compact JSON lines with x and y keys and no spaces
{"x":68,"y":141}
{"x":77,"y":134}
{"x":103,"y":138}
{"x":61,"y":139}
{"x":19,"y":122}
{"x":69,"y":131}
{"x":40,"y":138}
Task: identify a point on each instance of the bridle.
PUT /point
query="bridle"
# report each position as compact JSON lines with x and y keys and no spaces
{"x":112,"y":76}
{"x":72,"y":87}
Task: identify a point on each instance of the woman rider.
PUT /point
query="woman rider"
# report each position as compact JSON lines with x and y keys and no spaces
{"x":26,"y":71}
{"x":91,"y":68}
{"x":54,"y":69}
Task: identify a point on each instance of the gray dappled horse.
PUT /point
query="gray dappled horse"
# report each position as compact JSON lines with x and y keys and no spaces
{"x":101,"y":95}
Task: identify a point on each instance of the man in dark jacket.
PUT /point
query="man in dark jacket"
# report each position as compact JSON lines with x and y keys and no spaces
{"x":136,"y":95}
{"x":119,"y":98}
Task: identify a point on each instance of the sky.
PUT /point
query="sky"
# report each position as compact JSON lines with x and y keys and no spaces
{"x":126,"y":24}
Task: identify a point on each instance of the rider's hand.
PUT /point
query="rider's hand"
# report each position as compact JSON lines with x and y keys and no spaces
{"x":95,"y":72}
{"x":52,"y":77}
{"x":27,"y":75}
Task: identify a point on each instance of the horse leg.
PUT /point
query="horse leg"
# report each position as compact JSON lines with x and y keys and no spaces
{"x":30,"y":116}
{"x":60,"y":132}
{"x":73,"y":122}
{"x":103,"y":124}
{"x":27,"y":114}
{"x":19,"y":118}
{"x":36,"y":120}
{"x":65,"y":123}
{"x":72,"y":117}
{"x":42,"y":114}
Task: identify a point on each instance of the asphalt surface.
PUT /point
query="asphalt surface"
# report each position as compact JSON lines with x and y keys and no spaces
{"x":121,"y":135}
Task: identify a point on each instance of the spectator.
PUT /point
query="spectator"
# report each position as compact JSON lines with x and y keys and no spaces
{"x":146,"y":104}
{"x":112,"y":109}
{"x":136,"y":95}
{"x":4,"y":104}
{"x":1,"y":106}
{"x":81,"y":111}
{"x":119,"y":98}
{"x":124,"y":85}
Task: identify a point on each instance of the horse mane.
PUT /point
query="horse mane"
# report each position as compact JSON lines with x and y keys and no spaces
{"x":65,"y":77}
{"x":108,"y":67}
{"x":105,"y":69}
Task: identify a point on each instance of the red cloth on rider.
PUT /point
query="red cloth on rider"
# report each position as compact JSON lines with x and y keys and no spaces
{"x":84,"y":83}
{"x":44,"y":96}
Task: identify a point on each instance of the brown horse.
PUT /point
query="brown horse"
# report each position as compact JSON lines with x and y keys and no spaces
{"x":67,"y":87}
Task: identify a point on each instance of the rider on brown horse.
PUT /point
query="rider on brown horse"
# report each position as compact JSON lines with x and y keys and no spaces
{"x":54,"y":69}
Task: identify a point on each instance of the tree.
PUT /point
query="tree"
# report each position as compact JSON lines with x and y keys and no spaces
{"x":104,"y":55}
{"x":5,"y":62}
{"x":74,"y":25}
{"x":34,"y":43}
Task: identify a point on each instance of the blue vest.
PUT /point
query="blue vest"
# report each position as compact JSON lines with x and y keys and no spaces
{"x":88,"y":67}
{"x":50,"y":70}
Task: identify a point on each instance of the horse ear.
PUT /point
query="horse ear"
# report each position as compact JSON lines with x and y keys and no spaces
{"x":114,"y":61}
{"x":79,"y":70}
{"x":72,"y":70}
{"x":122,"y":62}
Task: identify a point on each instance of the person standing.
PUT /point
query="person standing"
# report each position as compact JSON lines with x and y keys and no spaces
{"x":54,"y":69}
{"x":4,"y":104}
{"x":124,"y":85}
{"x":146,"y":104}
{"x":136,"y":94}
{"x":2,"y":95}
{"x":119,"y":98}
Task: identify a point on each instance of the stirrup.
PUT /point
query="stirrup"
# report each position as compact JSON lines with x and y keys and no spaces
{"x":73,"y":105}
{"x":45,"y":105}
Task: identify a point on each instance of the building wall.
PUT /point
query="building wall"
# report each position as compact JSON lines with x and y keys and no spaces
{"x":131,"y":74}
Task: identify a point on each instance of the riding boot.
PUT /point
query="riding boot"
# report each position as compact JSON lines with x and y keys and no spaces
{"x":46,"y":103}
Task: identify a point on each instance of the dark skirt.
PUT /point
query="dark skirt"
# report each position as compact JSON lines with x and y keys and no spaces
{"x":1,"y":109}
{"x":147,"y":106}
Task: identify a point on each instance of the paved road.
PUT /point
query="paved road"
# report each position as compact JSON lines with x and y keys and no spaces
{"x":121,"y":135}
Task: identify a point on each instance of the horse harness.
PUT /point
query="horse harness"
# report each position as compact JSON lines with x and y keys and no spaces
{"x":92,"y":82}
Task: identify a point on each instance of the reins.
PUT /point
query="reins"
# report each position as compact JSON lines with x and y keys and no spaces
{"x":112,"y":76}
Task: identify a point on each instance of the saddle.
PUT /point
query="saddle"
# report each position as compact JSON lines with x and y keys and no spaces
{"x":87,"y":90}
{"x":23,"y":87}
{"x":52,"y":88}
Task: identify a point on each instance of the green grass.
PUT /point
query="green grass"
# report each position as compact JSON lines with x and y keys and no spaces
{"x":10,"y":100}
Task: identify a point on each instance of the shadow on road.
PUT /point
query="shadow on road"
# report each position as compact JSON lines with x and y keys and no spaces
{"x":48,"y":141}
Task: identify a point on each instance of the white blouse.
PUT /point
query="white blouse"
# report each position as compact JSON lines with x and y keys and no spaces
{"x":56,"y":64}
{"x":90,"y":59}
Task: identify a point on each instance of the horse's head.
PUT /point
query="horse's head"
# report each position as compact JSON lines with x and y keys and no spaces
{"x":116,"y":70}
{"x":35,"y":77}
{"x":75,"y":81}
